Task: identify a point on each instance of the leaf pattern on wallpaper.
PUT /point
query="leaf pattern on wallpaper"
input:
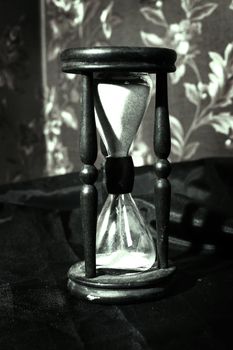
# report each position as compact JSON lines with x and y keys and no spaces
{"x":69,"y":22}
{"x":210,"y":98}
{"x":177,"y":136}
{"x":179,"y":36}
{"x":109,"y":20}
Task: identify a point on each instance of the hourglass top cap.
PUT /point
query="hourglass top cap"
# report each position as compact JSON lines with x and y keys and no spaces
{"x":130,"y":59}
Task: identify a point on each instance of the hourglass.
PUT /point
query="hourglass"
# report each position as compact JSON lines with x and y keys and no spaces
{"x":122,"y":261}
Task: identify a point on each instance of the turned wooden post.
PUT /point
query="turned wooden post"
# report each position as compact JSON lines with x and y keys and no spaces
{"x":88,"y":175}
{"x":162,"y":146}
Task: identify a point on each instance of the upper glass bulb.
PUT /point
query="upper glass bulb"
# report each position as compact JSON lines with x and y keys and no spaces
{"x":120,"y":102}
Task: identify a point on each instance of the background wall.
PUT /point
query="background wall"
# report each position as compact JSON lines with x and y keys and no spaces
{"x":200,"y":91}
{"x":22,"y":147}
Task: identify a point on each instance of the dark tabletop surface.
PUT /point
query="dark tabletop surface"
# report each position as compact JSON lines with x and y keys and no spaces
{"x":40,"y":239}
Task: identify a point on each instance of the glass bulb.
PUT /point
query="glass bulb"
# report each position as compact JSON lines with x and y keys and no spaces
{"x":123,"y":240}
{"x":120,"y":104}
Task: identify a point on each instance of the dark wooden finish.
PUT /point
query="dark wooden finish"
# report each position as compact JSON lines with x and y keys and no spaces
{"x":88,"y":175}
{"x":130,"y":59}
{"x":119,"y":288}
{"x":119,"y":175}
{"x":162,"y":146}
{"x":89,"y":62}
{"x":88,"y":138}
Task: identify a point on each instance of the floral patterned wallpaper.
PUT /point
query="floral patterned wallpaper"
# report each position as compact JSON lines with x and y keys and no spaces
{"x":211,"y":96}
{"x":200,"y":91}
{"x":69,"y":23}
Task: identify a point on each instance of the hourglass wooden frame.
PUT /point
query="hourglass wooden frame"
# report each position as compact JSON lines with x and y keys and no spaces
{"x":84,"y":280}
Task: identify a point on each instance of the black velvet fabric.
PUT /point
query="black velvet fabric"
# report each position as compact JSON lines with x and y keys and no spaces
{"x":40,"y":238}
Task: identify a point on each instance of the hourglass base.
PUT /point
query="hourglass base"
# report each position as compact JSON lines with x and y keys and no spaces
{"x":119,"y":286}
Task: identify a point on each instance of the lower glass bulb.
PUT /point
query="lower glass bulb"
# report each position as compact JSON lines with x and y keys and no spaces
{"x":123,"y":240}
